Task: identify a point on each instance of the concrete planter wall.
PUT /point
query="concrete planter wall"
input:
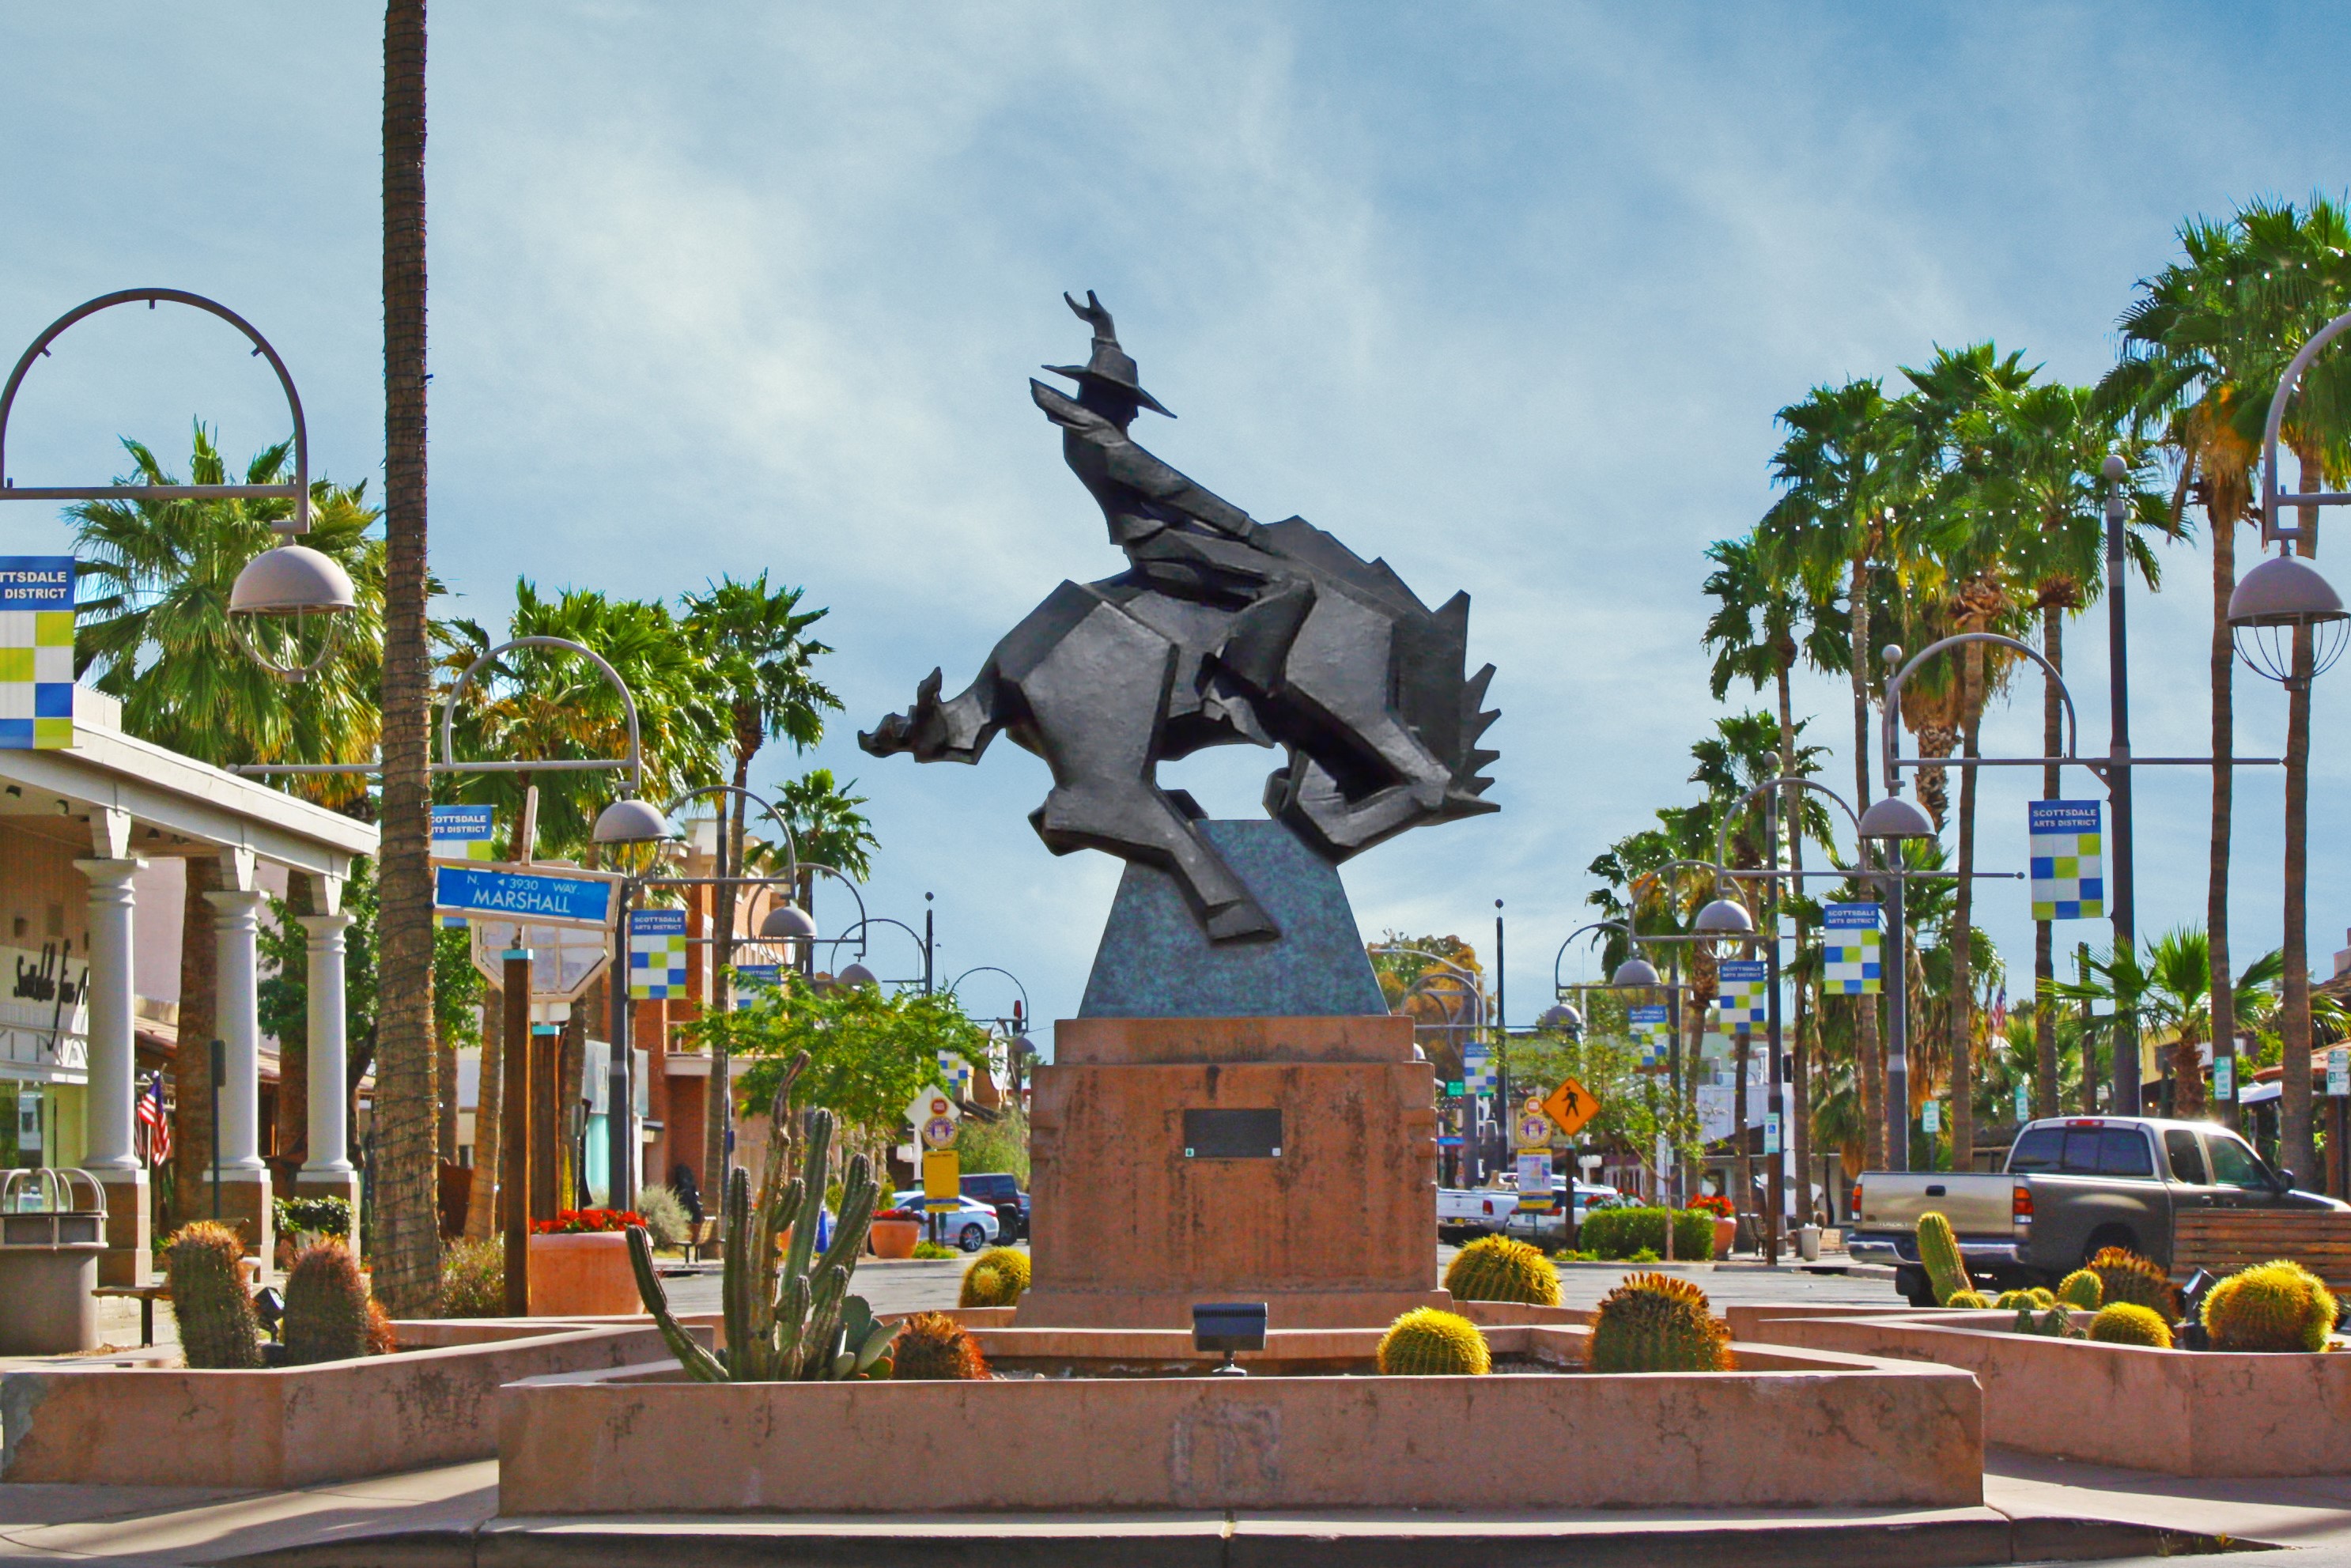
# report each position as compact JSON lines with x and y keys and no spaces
{"x":2185,"y":1413}
{"x":1794,"y":1428}
{"x":586,"y":1274}
{"x":174,"y":1427}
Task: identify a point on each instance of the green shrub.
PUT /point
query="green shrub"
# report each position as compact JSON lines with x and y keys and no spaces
{"x":1570,"y":1255}
{"x":1425,"y":1343}
{"x":311,"y":1216}
{"x":474,"y":1278}
{"x":1624,"y":1232}
{"x":1656,"y":1323}
{"x":2275,"y":1306}
{"x":931,"y":1252}
{"x":1644,"y":1255}
{"x":996,"y":1278}
{"x":2128,"y":1322}
{"x":665,"y":1216}
{"x":1502,"y":1269}
{"x":209,"y":1300}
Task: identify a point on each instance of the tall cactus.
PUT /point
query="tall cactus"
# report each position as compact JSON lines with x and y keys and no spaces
{"x":1938,"y":1249}
{"x":790,"y":1319}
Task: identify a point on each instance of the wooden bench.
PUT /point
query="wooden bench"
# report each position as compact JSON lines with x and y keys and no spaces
{"x":147,"y":1296}
{"x":704,"y":1233}
{"x":2223,"y":1241}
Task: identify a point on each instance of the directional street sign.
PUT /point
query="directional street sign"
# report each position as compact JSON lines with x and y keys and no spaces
{"x":1571,"y":1105}
{"x":541,"y":897}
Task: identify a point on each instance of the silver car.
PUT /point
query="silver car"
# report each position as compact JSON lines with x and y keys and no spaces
{"x":969,"y":1228}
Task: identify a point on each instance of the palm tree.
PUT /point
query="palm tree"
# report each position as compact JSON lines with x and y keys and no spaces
{"x":154,"y":631}
{"x":754,"y":640}
{"x":408,"y":1245}
{"x":828,"y":828}
{"x":2170,"y":991}
{"x":1764,"y":620}
{"x":2203,"y":348}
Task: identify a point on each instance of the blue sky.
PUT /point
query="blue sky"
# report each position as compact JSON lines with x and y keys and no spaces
{"x":1506,"y":294}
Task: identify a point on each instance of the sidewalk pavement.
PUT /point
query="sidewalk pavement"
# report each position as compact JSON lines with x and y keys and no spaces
{"x":2036,"y":1510}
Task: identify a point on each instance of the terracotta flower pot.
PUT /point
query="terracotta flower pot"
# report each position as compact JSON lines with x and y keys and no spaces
{"x":582,"y":1275}
{"x":895,"y":1237}
{"x":1726,"y":1231}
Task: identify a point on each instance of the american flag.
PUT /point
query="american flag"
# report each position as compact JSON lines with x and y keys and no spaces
{"x":153,"y":1133}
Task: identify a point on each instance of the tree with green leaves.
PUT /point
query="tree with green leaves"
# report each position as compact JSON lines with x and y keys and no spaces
{"x":870,"y":1052}
{"x":2169,"y":991}
{"x":155,"y":630}
{"x":829,"y":827}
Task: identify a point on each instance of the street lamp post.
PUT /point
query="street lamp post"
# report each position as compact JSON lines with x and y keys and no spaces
{"x":2289,"y":625}
{"x":2122,"y":905}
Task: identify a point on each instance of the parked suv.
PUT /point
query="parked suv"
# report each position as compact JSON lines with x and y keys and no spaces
{"x":1003,"y":1190}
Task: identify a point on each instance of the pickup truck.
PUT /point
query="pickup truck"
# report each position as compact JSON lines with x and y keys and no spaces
{"x":2074,"y":1185}
{"x":1466,"y":1212}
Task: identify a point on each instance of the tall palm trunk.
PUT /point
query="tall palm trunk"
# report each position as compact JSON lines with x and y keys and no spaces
{"x":2044,"y":932}
{"x":717,"y":1102}
{"x":481,"y":1202}
{"x":1963,"y":1010}
{"x":2224,"y":791}
{"x":1866,"y":1045}
{"x":1799,"y":1093}
{"x":191,"y":1061}
{"x":408,"y":1255}
{"x":2300,"y":1145}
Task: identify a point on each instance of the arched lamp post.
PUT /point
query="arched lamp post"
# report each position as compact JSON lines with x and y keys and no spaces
{"x":290,"y":582}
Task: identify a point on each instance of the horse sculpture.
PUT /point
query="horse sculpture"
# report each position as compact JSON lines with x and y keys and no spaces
{"x":1224,"y":630}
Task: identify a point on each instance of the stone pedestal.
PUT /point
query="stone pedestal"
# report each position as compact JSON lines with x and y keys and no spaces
{"x":1286,"y":1160}
{"x":129,"y":1255}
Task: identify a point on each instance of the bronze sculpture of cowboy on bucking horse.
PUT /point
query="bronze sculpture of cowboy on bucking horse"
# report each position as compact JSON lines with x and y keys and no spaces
{"x":1223,"y":630}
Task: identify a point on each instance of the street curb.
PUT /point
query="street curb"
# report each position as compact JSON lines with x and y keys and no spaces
{"x":1194,"y":1541}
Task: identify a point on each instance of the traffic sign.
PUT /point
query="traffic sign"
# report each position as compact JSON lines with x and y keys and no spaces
{"x":1534,"y":1181}
{"x":938,"y":1132}
{"x":1534,"y":1129}
{"x":2338,"y":1072}
{"x":1571,"y":1105}
{"x":942,"y":1181}
{"x":539,"y":896}
{"x":1931,"y":1116}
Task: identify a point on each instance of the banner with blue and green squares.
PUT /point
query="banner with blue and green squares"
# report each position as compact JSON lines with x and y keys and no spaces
{"x":1741,"y":992}
{"x":1850,"y":945}
{"x":657,"y":954}
{"x":37,"y":652}
{"x":1477,"y":1076}
{"x":2069,"y":881}
{"x":1652,"y":1033}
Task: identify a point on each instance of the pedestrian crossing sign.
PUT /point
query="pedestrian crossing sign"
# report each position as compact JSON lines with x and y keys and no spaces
{"x":1741,"y":992}
{"x":37,"y":652}
{"x":657,"y":953}
{"x":1850,"y":948}
{"x":2068,"y":865}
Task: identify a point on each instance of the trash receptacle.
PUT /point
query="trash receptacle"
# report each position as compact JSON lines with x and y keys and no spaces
{"x":52,"y":1231}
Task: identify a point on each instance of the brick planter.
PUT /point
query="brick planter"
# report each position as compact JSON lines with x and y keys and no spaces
{"x":174,"y":1427}
{"x":2185,"y":1413}
{"x":582,"y":1276}
{"x":1792,"y":1429}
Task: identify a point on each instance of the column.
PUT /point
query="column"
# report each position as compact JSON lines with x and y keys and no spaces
{"x":114,"y":1155}
{"x":243,"y":1179}
{"x":328,"y":1172}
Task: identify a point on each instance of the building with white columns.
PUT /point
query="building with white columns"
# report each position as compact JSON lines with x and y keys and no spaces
{"x":82,"y":832}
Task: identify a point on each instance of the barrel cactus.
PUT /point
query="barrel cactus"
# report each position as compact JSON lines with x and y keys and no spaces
{"x":2010,"y":1300}
{"x":2128,"y":1322}
{"x":1655,"y":1322}
{"x":931,"y":1347}
{"x":1425,"y":1343}
{"x":2082,"y":1288}
{"x":1938,"y":1249}
{"x":2126,"y":1277}
{"x":1502,"y":1269}
{"x":217,"y":1324}
{"x":325,"y":1306}
{"x":1973,"y":1300}
{"x":996,"y":1278}
{"x":2275,"y":1306}
{"x":789,"y":1318}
